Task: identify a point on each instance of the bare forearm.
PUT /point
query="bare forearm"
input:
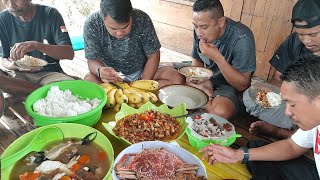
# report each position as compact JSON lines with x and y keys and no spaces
{"x":56,"y":51}
{"x":233,"y":76}
{"x":197,"y":63}
{"x":94,"y":65}
{"x":278,"y":151}
{"x":275,"y":82}
{"x":16,"y":86}
{"x":151,"y":66}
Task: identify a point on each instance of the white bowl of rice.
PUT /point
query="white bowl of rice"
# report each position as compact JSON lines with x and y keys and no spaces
{"x":196,"y":73}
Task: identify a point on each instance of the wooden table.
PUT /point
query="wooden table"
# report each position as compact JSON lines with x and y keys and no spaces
{"x":218,"y":171}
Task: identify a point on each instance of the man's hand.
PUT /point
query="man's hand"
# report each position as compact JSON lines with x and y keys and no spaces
{"x":8,"y":64}
{"x":221,"y":154}
{"x":210,"y":51}
{"x":108,"y":74}
{"x":196,"y":81}
{"x":20,"y":49}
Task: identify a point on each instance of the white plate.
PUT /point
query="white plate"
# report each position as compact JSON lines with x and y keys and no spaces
{"x":176,"y":94}
{"x":183,"y":154}
{"x":258,"y":86}
{"x":187,"y":69}
{"x":29,"y":62}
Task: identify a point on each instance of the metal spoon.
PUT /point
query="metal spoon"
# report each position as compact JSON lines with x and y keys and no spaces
{"x":39,"y":141}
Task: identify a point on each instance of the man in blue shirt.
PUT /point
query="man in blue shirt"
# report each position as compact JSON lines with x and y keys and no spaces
{"x":228,"y":49}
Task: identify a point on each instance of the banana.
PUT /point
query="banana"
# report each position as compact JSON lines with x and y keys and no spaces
{"x":149,"y":85}
{"x":132,"y":105}
{"x":120,"y":97}
{"x":138,"y":105}
{"x":133,"y":97}
{"x":145,"y":95}
{"x":111,"y":97}
{"x":107,"y":87}
{"x":117,"y":107}
{"x":122,"y":85}
{"x":153,"y":97}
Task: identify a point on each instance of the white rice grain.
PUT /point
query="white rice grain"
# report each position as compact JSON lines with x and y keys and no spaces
{"x":63,"y":104}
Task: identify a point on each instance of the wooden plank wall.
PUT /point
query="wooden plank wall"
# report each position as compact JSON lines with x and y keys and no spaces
{"x":268,"y":19}
{"x":2,"y":7}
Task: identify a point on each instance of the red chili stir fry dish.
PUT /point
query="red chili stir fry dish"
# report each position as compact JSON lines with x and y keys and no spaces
{"x":147,"y":126}
{"x":66,"y":160}
{"x":209,"y":127}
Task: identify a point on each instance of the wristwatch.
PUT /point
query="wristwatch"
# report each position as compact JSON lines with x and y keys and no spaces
{"x":245,"y":155}
{"x":98,"y":72}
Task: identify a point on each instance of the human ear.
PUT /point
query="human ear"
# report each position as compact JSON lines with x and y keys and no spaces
{"x":222,"y":22}
{"x":317,"y":101}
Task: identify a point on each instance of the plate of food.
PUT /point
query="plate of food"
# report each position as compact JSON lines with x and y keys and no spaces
{"x":208,"y":129}
{"x":148,"y":123}
{"x":157,"y":160}
{"x":31,"y":63}
{"x":265,"y":95}
{"x":196,"y":73}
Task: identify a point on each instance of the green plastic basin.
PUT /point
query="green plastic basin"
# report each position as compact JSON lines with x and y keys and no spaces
{"x":198,"y":144}
{"x":83,"y":89}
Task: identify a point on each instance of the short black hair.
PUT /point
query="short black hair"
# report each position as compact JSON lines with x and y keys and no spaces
{"x":118,"y":10}
{"x":305,"y":74}
{"x":214,"y":6}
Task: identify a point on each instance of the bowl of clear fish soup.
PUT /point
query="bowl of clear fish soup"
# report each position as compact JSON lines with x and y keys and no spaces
{"x":84,"y":153}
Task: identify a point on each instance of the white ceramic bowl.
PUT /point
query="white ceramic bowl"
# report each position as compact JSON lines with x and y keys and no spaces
{"x":176,"y":94}
{"x":183,"y":154}
{"x":201,"y":73}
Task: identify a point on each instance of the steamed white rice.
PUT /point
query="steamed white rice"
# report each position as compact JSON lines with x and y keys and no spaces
{"x":274,"y":99}
{"x":198,"y":73}
{"x":60,"y":103}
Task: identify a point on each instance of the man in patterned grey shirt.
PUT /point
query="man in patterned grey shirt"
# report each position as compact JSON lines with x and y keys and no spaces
{"x":122,"y":40}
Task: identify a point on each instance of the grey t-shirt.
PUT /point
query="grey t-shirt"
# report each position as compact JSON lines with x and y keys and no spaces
{"x":128,"y":54}
{"x":47,"y":26}
{"x":236,"y":45}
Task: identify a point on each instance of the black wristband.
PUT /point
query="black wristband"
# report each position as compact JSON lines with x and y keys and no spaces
{"x":245,"y":155}
{"x":98,"y":72}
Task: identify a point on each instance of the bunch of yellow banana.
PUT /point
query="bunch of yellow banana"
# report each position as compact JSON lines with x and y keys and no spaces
{"x":118,"y":93}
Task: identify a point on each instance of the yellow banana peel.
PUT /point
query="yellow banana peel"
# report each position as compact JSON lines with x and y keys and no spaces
{"x":149,"y":85}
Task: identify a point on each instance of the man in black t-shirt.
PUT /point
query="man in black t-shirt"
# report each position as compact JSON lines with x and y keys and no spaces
{"x":38,"y":31}
{"x":305,"y":41}
{"x":121,"y":44}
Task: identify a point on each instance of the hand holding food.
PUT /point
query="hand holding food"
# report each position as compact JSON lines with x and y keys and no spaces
{"x":108,"y":74}
{"x":210,"y":51}
{"x":22,"y":48}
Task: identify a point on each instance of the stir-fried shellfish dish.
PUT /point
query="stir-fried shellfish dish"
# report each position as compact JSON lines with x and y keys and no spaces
{"x":155,"y":164}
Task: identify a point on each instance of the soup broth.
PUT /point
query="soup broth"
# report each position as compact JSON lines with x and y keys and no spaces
{"x":81,"y":161}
